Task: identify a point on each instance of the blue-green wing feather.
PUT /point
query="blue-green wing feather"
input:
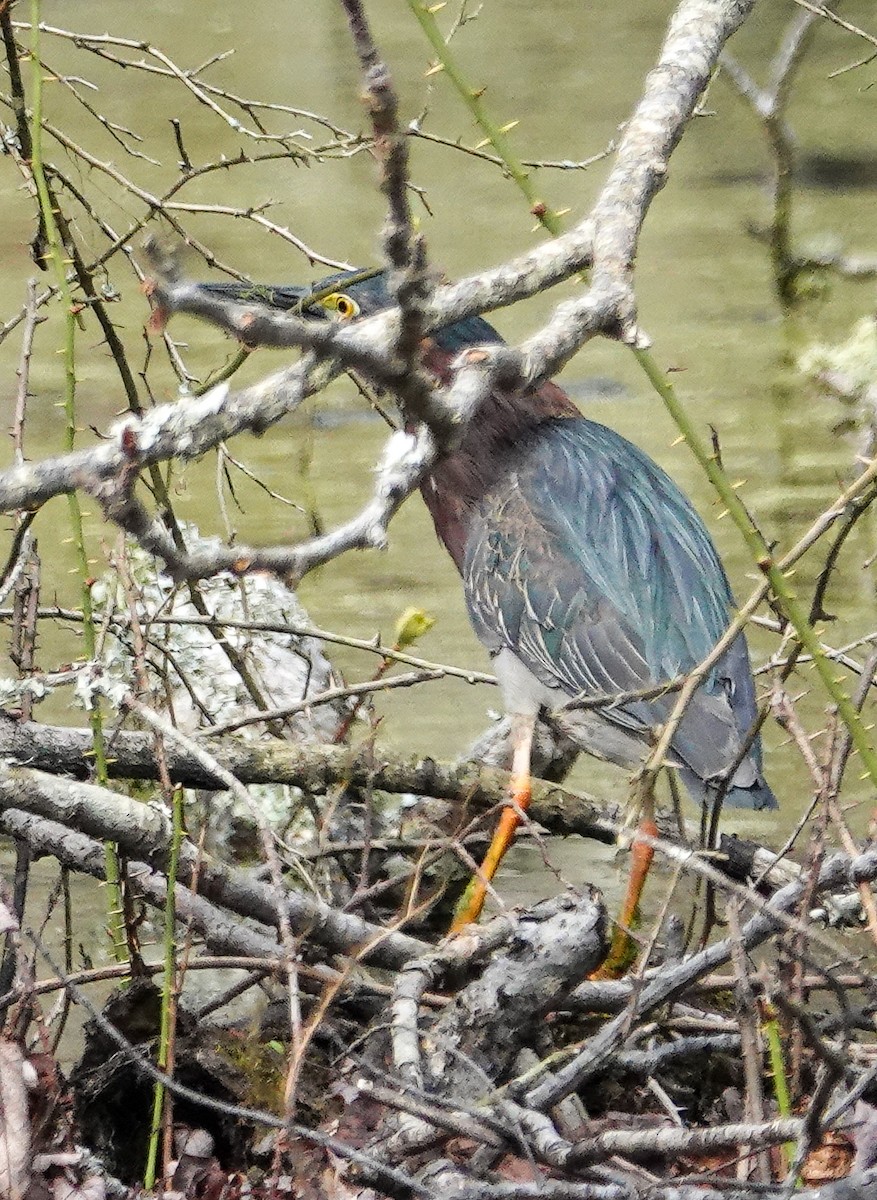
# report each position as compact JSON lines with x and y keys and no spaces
{"x":638,"y":541}
{"x":595,"y":570}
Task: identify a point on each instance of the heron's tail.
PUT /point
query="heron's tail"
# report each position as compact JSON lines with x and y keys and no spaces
{"x":756,"y":795}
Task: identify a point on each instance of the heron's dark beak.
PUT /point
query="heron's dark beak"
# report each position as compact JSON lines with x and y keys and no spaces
{"x":285,"y":297}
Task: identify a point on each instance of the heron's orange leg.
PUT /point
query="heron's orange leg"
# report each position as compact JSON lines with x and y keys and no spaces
{"x":622,"y":948}
{"x":472,"y":902}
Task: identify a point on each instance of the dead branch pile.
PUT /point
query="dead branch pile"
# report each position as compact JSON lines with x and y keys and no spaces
{"x":288,"y":1019}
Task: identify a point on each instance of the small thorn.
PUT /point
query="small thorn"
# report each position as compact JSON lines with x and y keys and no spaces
{"x":434,"y":70}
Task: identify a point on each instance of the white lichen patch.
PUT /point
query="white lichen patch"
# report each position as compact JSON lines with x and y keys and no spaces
{"x":194,"y":680}
{"x":854,"y":360}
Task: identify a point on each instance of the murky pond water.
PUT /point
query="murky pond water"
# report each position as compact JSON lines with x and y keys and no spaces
{"x":570,"y":74}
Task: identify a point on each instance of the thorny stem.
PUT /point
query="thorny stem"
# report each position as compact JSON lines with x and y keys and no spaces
{"x":764,"y":559}
{"x":771,"y":1026}
{"x":83,"y":273}
{"x":495,"y":134}
{"x":55,"y":253}
{"x":169,"y":986}
{"x":715,"y":473}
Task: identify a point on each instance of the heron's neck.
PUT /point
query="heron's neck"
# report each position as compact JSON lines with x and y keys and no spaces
{"x":501,"y":427}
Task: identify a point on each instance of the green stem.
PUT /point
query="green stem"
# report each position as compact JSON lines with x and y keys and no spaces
{"x":736,"y":509}
{"x":495,"y":134}
{"x":763,"y":557}
{"x":771,"y":1027}
{"x":233,"y":365}
{"x":168,"y":991}
{"x":55,"y":255}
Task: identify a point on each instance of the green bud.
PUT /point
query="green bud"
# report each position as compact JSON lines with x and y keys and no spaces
{"x":413,"y":624}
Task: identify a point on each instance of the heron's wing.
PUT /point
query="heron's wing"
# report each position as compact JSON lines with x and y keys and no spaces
{"x":594,"y":569}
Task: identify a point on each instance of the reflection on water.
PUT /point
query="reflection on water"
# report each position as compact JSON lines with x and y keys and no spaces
{"x":703,"y":284}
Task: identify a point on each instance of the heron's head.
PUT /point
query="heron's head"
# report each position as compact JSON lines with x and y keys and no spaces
{"x":344,"y":296}
{"x":352,"y":295}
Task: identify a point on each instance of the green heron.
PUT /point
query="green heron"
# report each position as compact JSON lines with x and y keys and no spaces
{"x":586,"y":572}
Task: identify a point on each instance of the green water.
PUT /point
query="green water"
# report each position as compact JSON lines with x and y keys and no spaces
{"x":570,"y":73}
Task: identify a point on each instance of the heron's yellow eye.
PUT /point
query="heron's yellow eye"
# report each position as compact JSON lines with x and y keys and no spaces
{"x":342,"y":304}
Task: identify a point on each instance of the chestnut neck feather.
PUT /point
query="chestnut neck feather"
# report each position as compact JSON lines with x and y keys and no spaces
{"x":501,"y":427}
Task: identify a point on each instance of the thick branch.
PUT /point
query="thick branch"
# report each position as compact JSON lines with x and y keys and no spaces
{"x":143,"y":832}
{"x":315,"y":769}
{"x":838,"y":872}
{"x":694,"y":40}
{"x":698,"y":30}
